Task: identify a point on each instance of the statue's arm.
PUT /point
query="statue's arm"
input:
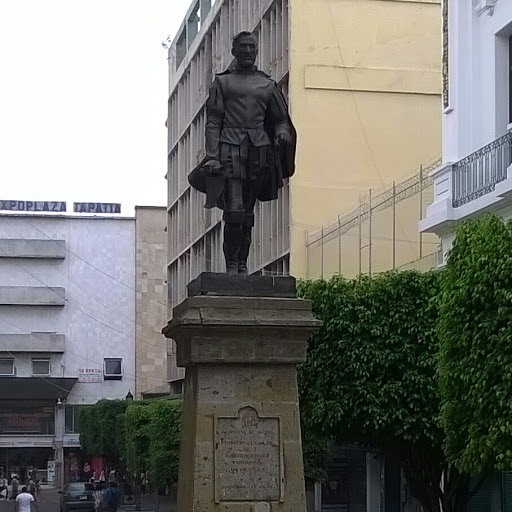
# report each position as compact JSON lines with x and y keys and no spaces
{"x":214,"y":119}
{"x":279,"y":116}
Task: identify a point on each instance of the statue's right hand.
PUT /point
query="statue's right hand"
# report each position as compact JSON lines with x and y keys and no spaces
{"x":213,"y":167}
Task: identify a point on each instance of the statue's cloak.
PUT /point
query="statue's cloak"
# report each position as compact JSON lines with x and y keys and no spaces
{"x":281,"y":161}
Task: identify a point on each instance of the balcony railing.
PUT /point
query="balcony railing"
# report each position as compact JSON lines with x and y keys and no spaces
{"x":478,"y":173}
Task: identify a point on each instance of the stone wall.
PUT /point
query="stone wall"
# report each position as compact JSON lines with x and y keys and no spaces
{"x":151,"y":313}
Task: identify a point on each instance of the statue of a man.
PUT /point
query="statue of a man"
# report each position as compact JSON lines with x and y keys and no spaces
{"x":250,"y":148}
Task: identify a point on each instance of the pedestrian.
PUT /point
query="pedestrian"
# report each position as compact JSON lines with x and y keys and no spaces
{"x":3,"y":487}
{"x":113,"y":497}
{"x":32,"y":487}
{"x":24,"y":500}
{"x":98,"y":494}
{"x":15,"y":483}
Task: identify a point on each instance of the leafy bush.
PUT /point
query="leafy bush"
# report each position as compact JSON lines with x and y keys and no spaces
{"x":475,"y":332}
{"x":164,"y":430}
{"x":370,"y":376}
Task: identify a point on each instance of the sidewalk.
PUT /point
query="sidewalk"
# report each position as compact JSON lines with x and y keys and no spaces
{"x":147,"y":504}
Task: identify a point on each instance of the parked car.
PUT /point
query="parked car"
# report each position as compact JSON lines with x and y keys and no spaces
{"x":77,"y":496}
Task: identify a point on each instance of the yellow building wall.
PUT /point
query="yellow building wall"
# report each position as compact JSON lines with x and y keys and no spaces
{"x":365,"y":97}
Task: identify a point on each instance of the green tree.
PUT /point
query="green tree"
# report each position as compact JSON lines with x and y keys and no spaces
{"x":136,"y":422}
{"x":370,"y":376}
{"x":137,"y":419}
{"x":164,"y":430}
{"x":102,"y":432}
{"x":475,"y":331}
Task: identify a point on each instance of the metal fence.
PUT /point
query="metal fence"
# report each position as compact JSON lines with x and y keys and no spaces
{"x":478,"y":173}
{"x":380,"y":234}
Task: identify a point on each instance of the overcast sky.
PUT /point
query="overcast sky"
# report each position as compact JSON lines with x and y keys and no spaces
{"x":83,"y":99}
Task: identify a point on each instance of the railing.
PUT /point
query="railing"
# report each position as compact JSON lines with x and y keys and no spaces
{"x":478,"y":173}
{"x":380,"y":234}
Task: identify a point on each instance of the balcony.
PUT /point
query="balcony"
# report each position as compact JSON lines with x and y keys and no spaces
{"x":34,"y":342}
{"x":32,"y":296}
{"x":478,"y":173}
{"x":479,"y":182}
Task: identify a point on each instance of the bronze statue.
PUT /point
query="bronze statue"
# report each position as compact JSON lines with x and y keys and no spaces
{"x":250,"y":148}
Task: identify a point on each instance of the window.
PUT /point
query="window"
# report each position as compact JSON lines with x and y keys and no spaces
{"x":40,"y":367}
{"x":113,"y":369}
{"x":6,"y":366}
{"x":73,"y":418}
{"x":26,"y":419}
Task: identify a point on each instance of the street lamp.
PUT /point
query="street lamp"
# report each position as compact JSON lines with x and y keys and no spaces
{"x":129,"y":396}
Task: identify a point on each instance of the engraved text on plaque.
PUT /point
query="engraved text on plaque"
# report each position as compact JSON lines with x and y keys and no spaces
{"x":247,"y":458}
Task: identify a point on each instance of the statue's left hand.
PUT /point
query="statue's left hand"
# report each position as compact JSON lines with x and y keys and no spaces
{"x":283,"y":139}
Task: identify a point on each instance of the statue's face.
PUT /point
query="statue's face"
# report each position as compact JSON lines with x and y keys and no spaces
{"x":245,"y":51}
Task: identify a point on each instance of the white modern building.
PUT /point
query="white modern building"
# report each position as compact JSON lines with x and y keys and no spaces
{"x":476,"y":175}
{"x":67,"y":334}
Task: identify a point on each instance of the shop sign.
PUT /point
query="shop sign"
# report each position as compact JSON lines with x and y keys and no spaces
{"x":51,"y":471}
{"x":33,"y":206}
{"x":24,"y":443}
{"x":88,"y":375}
{"x":97,"y":207}
{"x":71,"y":440}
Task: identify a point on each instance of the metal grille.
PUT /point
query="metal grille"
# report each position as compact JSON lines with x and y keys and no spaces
{"x":478,"y":173}
{"x":380,"y":234}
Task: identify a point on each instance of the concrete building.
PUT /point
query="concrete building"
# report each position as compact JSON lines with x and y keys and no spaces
{"x":67,"y":335}
{"x":475,"y":175}
{"x":151,"y":301}
{"x":476,"y":171}
{"x":363,"y":80}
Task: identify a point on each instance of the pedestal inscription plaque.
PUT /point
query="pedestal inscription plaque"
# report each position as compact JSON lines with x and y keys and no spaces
{"x":247,"y":458}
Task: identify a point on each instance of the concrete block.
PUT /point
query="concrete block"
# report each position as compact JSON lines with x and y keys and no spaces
{"x":34,"y":342}
{"x":32,"y":248}
{"x":32,"y":295}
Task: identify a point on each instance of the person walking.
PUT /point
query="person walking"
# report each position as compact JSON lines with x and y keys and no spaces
{"x":3,"y":487}
{"x":98,"y":494}
{"x":113,"y":497}
{"x":15,"y":483}
{"x":24,"y":501}
{"x":32,"y":487}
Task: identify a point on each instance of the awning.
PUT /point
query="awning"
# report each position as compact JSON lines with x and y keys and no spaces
{"x":36,"y":388}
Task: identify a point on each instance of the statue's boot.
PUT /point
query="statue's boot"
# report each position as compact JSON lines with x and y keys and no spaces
{"x":245,"y":245}
{"x":231,"y":246}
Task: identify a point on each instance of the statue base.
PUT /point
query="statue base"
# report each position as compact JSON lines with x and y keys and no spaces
{"x":240,"y":339}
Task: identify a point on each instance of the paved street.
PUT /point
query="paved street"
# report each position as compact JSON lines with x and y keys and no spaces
{"x":49,"y":502}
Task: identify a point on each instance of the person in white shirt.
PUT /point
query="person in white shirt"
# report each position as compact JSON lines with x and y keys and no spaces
{"x":23,"y":501}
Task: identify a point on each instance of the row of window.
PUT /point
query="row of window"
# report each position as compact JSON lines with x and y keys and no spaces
{"x":39,"y":366}
{"x":113,"y":367}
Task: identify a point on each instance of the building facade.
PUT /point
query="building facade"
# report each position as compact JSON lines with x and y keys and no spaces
{"x":363,"y":81}
{"x":151,"y":301}
{"x":476,"y":172}
{"x":67,"y":335}
{"x":477,"y":117}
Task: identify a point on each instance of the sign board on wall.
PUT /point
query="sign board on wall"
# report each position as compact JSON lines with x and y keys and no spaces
{"x":247,"y":457}
{"x":71,"y":440}
{"x":51,"y":471}
{"x":33,"y":206}
{"x":97,"y":207}
{"x":89,"y":375}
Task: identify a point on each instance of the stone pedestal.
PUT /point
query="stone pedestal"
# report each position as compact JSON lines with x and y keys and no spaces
{"x":240,"y":339}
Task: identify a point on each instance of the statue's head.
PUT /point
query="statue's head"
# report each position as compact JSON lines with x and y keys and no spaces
{"x":245,"y":49}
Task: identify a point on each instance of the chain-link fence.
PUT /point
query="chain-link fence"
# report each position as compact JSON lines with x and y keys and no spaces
{"x":380,"y":234}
